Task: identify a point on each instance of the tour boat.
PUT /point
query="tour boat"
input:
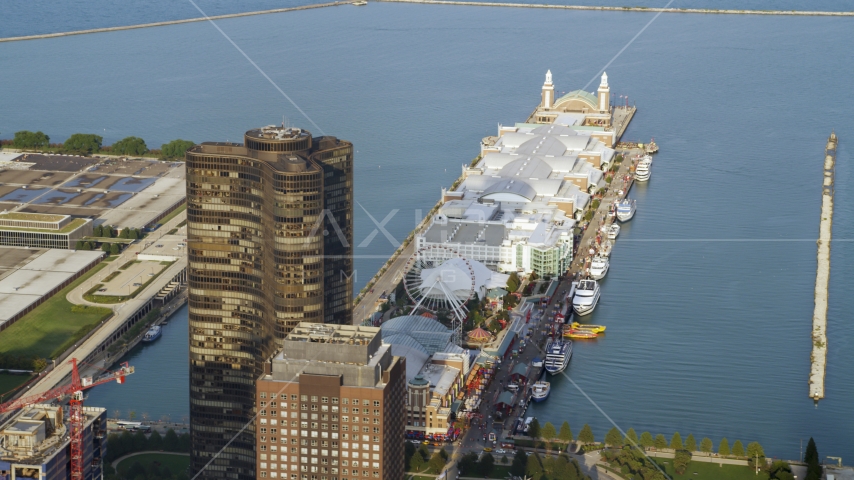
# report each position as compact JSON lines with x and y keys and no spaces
{"x":592,"y":328}
{"x":540,"y":391}
{"x":626,"y":210}
{"x":581,"y":334}
{"x":586,"y":297}
{"x":558,"y":353}
{"x":644,"y":169}
{"x":152,"y":334}
{"x":613,"y":231}
{"x":599,"y":267}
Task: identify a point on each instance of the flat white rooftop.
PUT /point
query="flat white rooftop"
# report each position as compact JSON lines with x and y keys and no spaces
{"x":30,"y":282}
{"x":145,"y":206}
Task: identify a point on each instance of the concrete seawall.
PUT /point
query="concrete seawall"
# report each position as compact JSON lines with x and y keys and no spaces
{"x":818,"y":357}
{"x":173,"y":22}
{"x":441,"y":2}
{"x":629,"y":9}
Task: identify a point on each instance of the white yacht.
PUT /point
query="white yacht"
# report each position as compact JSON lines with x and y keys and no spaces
{"x":613,"y":231}
{"x":540,"y":391}
{"x":152,"y":334}
{"x":626,"y":210}
{"x":605,"y":249}
{"x":599,"y":267}
{"x":558,"y":353}
{"x":644,"y":169}
{"x":586,"y":297}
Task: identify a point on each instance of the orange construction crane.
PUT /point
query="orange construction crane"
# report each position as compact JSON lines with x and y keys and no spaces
{"x":77,"y":420}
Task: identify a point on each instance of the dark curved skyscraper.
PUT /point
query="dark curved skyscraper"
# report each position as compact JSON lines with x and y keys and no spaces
{"x":270,"y":237}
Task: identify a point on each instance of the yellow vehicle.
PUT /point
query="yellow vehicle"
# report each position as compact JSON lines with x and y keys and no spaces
{"x":487,"y":449}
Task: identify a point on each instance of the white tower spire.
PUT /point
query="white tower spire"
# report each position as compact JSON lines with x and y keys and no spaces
{"x":548,"y":95}
{"x":604,"y":95}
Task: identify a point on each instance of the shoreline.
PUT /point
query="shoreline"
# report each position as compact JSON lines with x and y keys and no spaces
{"x":797,"y":13}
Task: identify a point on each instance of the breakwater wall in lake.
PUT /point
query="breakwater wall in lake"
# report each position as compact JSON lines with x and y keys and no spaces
{"x":173,"y":22}
{"x":818,"y":357}
{"x":442,"y":2}
{"x":631,"y":9}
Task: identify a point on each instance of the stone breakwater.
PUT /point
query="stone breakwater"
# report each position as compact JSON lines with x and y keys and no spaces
{"x":173,"y":22}
{"x":632,"y":9}
{"x":818,"y":357}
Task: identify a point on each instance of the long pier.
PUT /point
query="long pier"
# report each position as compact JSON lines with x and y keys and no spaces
{"x":818,"y":357}
{"x":441,"y":2}
{"x":631,"y":9}
{"x":174,"y":22}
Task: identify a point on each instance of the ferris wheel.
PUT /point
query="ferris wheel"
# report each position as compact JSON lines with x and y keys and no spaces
{"x":438,"y":278}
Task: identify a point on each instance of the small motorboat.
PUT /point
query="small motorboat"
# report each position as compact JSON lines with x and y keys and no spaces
{"x":613,"y":231}
{"x":605,"y":249}
{"x":592,"y":328}
{"x":152,"y":334}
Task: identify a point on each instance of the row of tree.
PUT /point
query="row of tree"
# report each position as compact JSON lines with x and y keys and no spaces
{"x":122,"y":444}
{"x":87,"y":144}
{"x":22,"y":362}
{"x":419,"y":459}
{"x":615,"y":439}
{"x":107,"y":231}
{"x":111,"y":248}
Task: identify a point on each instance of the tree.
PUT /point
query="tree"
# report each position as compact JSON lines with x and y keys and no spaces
{"x":467,"y":464}
{"x":408,"y":451}
{"x":631,"y":437}
{"x":505,"y":460}
{"x":565,"y":433}
{"x":115,"y":249}
{"x":723,"y":447}
{"x":105,"y":247}
{"x":681,"y":461}
{"x":513,"y":282}
{"x":706,"y":445}
{"x":738,"y":448}
{"x":779,"y":470}
{"x":549,"y":433}
{"x":646,"y":440}
{"x":812,"y":460}
{"x":754,"y":450}
{"x":436,"y":463}
{"x":486,"y":464}
{"x":86,"y":246}
{"x":417,"y":462}
{"x":690,"y":443}
{"x":586,"y":435}
{"x":170,"y":441}
{"x":96,"y":232}
{"x":155,"y":441}
{"x":676,"y":442}
{"x":27,"y":139}
{"x":614,"y":438}
{"x":535,"y":466}
{"x":130,"y":146}
{"x":534,"y":429}
{"x":124,"y":233}
{"x":660,"y":442}
{"x":82,"y":144}
{"x":140,"y":442}
{"x":78,"y":245}
{"x":518,"y":467}
{"x":175,"y":149}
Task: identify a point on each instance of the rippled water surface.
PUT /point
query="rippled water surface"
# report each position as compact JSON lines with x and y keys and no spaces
{"x":709,"y":298}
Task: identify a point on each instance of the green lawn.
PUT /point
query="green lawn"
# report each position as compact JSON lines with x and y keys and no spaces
{"x":712,"y":471}
{"x":8,"y":382}
{"x":52,"y":327}
{"x":175,"y":463}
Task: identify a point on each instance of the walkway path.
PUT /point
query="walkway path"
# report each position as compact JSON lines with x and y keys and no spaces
{"x":118,"y":460}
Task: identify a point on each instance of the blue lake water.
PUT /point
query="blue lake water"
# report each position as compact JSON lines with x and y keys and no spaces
{"x":709,"y":298}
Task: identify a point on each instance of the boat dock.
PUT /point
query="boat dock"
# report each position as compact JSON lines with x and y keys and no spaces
{"x":818,"y":357}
